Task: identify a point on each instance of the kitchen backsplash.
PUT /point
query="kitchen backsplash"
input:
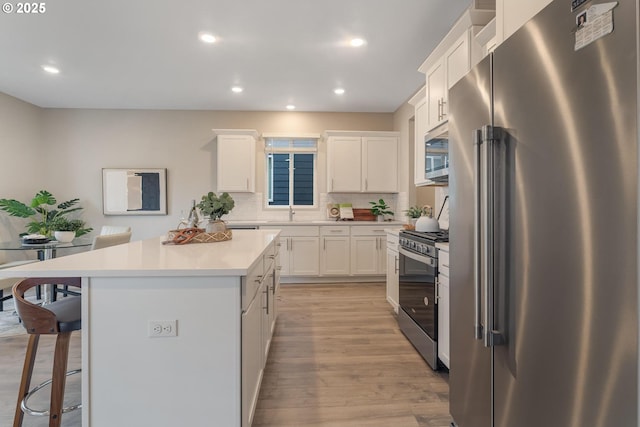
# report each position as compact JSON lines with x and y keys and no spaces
{"x":250,"y":206}
{"x":441,"y":193}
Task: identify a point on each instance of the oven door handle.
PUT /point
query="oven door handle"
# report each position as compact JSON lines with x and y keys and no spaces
{"x":420,"y":258}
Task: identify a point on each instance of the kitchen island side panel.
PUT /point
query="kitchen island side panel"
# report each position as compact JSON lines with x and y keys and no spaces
{"x":134,"y":379}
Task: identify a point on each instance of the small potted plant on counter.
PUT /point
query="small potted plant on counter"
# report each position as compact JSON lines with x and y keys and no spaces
{"x":380,"y":209}
{"x":415,"y":212}
{"x":65,"y":230}
{"x":215,"y":207}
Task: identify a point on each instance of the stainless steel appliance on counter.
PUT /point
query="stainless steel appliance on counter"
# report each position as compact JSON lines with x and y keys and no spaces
{"x":418,"y":270}
{"x":544,"y":237}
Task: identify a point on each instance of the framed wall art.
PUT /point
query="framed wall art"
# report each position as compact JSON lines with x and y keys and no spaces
{"x":134,"y":191}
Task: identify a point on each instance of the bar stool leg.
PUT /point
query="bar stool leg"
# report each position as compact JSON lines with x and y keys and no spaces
{"x":25,"y":382}
{"x":60,"y":359}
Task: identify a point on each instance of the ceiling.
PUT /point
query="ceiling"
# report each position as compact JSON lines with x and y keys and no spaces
{"x":146,"y":54}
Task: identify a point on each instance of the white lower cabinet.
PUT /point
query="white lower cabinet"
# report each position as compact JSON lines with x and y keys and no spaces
{"x":334,"y":251}
{"x":260,"y":295}
{"x":368,"y":251}
{"x":393,"y":271}
{"x":443,"y":307}
{"x":252,"y":356}
{"x":299,"y":250}
{"x":304,"y":253}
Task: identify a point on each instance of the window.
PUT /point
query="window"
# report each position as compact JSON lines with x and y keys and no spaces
{"x":291,"y":165}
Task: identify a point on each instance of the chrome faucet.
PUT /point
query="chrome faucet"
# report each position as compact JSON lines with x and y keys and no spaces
{"x":291,"y":213}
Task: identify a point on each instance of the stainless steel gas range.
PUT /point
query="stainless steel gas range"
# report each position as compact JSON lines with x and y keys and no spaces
{"x":418,"y":314}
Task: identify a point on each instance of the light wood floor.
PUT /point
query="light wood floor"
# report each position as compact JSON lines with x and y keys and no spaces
{"x":337,"y":359}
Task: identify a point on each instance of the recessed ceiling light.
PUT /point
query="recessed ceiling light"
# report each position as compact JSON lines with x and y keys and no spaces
{"x":338,"y":91}
{"x":357,"y":42}
{"x":236,"y":89}
{"x":207,"y":37}
{"x":291,"y":107}
{"x":50,"y":69}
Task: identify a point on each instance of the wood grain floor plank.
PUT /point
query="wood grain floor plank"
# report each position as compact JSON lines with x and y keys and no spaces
{"x":338,"y":358}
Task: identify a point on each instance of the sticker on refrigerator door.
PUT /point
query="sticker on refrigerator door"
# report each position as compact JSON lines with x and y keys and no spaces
{"x":593,"y":24}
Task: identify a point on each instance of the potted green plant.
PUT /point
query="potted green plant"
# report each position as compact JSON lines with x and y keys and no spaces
{"x":380,"y":209}
{"x":215,"y":207}
{"x":43,"y":210}
{"x":415,"y":212}
{"x":65,"y":230}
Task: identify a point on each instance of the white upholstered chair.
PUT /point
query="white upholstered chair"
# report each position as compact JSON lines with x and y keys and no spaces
{"x":103,"y":241}
{"x":114,"y":229}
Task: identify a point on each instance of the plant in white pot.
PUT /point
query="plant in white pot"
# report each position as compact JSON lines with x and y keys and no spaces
{"x":65,"y":230}
{"x":415,"y":212}
{"x":215,"y":207}
{"x":380,"y":209}
{"x":43,"y":210}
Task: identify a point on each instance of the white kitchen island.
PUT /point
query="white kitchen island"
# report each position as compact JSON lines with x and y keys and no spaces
{"x":222,"y":297}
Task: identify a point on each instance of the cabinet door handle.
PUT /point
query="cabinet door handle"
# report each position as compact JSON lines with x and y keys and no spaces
{"x":366,"y":184}
{"x":397,"y":263}
{"x":324,"y":244}
{"x":444,"y":114}
{"x":266,"y":292}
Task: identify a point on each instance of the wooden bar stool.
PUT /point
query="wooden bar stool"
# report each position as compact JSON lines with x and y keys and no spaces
{"x":58,"y":318}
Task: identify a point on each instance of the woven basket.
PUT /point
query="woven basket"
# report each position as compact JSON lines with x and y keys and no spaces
{"x":199,"y":237}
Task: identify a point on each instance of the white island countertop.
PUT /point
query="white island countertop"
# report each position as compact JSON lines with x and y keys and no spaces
{"x":150,"y":258}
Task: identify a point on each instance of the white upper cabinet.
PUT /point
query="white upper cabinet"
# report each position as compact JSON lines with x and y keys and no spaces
{"x":380,"y":164}
{"x":457,"y":60}
{"x":419,"y":102}
{"x":344,"y":164}
{"x":436,"y":94}
{"x":450,"y":61}
{"x":236,"y":160}
{"x":362,"y":162}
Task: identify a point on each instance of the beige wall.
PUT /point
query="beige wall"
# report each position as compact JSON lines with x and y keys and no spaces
{"x":23,"y":156}
{"x":71,"y":146}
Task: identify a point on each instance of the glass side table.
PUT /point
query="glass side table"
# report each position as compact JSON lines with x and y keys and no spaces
{"x":45,"y":251}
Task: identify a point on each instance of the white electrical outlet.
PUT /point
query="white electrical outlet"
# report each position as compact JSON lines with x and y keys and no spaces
{"x":163,"y":328}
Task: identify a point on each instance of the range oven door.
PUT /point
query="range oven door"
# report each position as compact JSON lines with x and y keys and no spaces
{"x":418,"y":290}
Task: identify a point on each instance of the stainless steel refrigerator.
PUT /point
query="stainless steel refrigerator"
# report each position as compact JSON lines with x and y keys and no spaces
{"x":544,"y":226}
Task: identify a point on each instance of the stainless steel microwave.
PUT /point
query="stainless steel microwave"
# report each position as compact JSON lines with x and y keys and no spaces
{"x":436,"y":155}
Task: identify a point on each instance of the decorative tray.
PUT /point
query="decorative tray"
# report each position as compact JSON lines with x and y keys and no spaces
{"x":196,"y":235}
{"x":35,"y":239}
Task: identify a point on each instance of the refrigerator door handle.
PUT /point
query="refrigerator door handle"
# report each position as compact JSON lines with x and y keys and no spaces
{"x":489,"y":137}
{"x":487,"y":203}
{"x":477,"y":238}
